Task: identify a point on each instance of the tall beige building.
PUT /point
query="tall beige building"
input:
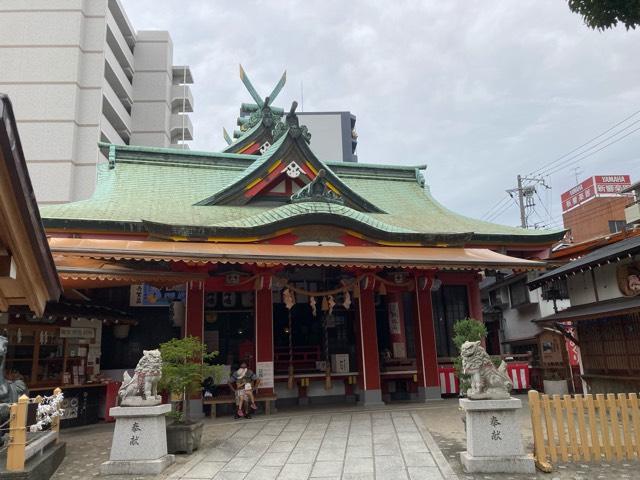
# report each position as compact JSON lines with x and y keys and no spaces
{"x":78,"y":73}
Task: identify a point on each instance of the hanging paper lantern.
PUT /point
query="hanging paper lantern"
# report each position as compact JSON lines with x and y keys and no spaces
{"x":291,"y":380}
{"x":346,"y":303}
{"x":332,"y":303}
{"x":312,"y":304}
{"x":325,"y":304}
{"x":288,"y":298}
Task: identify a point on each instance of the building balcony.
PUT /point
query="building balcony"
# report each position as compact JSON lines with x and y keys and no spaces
{"x":117,"y":79}
{"x":181,"y":99}
{"x":181,"y":74}
{"x":115,"y":113}
{"x":632,"y":213}
{"x":109,"y":132}
{"x":181,"y":128}
{"x":119,"y":47}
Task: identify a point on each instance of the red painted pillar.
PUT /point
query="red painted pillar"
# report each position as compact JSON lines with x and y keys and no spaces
{"x":475,"y":301}
{"x":194,"y":323}
{"x":370,"y":393}
{"x":194,"y":327}
{"x":396,"y":325}
{"x":425,"y":341}
{"x":264,"y":333}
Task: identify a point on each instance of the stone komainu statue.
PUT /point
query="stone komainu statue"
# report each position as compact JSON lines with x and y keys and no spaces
{"x":10,"y":390}
{"x":142,"y":388}
{"x":487,"y":381}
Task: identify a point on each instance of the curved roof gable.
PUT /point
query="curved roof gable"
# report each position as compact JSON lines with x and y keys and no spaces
{"x":289,"y":155}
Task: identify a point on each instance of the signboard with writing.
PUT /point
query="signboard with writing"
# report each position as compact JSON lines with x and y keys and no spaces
{"x":76,"y":332}
{"x":592,"y":187}
{"x":143,"y":295}
{"x":264,"y":370}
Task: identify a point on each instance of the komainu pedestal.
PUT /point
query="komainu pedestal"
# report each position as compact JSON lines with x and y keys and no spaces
{"x":139,"y":443}
{"x":494,"y":440}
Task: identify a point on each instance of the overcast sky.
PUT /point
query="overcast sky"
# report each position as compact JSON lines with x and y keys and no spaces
{"x":478,"y":90}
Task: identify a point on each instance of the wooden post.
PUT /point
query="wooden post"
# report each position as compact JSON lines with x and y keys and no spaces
{"x":562,"y":441}
{"x":369,"y":363}
{"x":615,"y":430}
{"x":55,"y":423}
{"x":263,"y":306}
{"x":582,"y":428}
{"x":546,"y":403}
{"x":540,"y":453}
{"x":571,"y":427}
{"x":17,"y":435}
{"x":428,"y":379}
{"x":635,"y":414}
{"x":606,"y":440}
{"x":595,"y":442}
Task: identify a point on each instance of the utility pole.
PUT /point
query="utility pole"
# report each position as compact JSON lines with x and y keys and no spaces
{"x":525,"y":196}
{"x":523,"y":217}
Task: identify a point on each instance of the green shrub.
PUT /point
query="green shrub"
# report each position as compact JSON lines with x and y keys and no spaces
{"x":184,"y":367}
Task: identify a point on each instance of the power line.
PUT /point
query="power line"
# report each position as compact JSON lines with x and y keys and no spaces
{"x":562,"y":167}
{"x":501,"y":212}
{"x":544,"y":167}
{"x":544,"y":206}
{"x":506,"y":197}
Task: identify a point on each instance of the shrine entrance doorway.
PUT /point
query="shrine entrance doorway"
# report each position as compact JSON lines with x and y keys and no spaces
{"x":315,"y":344}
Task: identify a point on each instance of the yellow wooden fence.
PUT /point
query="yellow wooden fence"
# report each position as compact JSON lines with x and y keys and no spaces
{"x":16,"y":456}
{"x":586,"y":428}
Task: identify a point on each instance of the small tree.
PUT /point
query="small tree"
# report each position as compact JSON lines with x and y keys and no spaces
{"x":466,"y":330}
{"x":184,"y":367}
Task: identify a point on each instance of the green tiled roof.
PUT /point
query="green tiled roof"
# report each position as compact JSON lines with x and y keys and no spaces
{"x":163,"y":185}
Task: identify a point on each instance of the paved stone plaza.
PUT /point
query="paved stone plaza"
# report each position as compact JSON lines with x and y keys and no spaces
{"x":390,"y":442}
{"x":381,"y":445}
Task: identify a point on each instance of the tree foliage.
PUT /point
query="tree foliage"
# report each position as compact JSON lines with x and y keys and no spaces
{"x":184,"y":366}
{"x":466,"y":330}
{"x":603,"y":14}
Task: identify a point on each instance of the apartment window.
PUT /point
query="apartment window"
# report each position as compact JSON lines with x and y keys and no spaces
{"x":519,"y":293}
{"x":616,"y":225}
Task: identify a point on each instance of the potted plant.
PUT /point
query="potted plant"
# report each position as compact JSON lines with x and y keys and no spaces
{"x":184,"y":366}
{"x":554,"y":383}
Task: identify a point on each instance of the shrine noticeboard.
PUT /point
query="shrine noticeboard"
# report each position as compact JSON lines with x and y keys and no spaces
{"x":264,"y":370}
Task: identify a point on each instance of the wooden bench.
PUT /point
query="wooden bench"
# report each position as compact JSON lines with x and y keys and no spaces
{"x":231,"y":400}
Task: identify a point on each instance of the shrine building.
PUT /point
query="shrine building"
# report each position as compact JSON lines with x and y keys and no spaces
{"x":335,"y":281}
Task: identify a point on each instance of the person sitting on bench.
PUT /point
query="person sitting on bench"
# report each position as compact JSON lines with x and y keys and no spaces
{"x":243,"y":381}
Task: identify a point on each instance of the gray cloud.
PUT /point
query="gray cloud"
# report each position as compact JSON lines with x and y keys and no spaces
{"x":478,"y":90}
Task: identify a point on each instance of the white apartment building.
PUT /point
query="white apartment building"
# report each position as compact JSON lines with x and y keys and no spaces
{"x":77,"y":74}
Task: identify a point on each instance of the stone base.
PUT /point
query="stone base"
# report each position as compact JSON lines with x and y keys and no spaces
{"x":513,"y":464}
{"x":136,"y":467}
{"x":429,"y":394}
{"x":494,"y":441}
{"x":139,"y":444}
{"x":141,"y":402}
{"x":370,"y":398}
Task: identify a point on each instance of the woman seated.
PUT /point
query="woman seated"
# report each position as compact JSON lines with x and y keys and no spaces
{"x":243,"y":382}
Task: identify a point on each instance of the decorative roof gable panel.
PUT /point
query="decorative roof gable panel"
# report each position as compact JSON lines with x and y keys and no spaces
{"x":289,"y":160}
